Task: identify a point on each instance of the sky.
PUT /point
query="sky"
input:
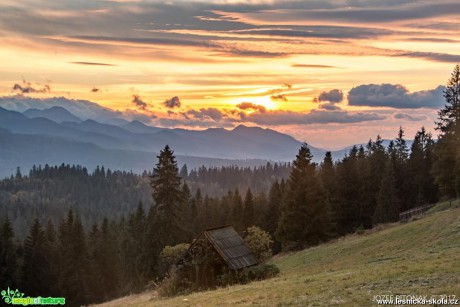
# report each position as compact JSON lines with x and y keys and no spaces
{"x":329,"y":72}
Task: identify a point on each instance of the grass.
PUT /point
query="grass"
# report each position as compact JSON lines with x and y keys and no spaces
{"x":421,"y":257}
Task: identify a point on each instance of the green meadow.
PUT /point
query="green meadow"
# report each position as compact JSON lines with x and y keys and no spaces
{"x":420,"y":257}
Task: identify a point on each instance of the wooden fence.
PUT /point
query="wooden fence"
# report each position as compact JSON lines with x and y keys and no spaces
{"x":406,"y":215}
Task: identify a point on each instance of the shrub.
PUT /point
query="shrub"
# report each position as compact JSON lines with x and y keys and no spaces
{"x":170,"y":255}
{"x":259,"y":242}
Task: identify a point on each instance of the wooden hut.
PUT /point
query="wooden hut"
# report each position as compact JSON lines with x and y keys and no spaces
{"x":216,"y":252}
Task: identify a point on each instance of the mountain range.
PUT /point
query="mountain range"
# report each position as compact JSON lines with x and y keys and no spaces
{"x":55,"y":135}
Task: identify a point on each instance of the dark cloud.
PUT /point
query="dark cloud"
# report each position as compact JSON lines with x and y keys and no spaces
{"x":278,"y":97}
{"x":279,"y":117}
{"x":204,"y":113}
{"x":318,"y":32}
{"x":329,"y":106}
{"x":395,"y":96}
{"x":413,"y":118}
{"x":172,"y":103}
{"x":251,"y":106}
{"x":254,"y":53}
{"x":137,"y":100}
{"x":313,"y":66}
{"x":92,"y":64}
{"x":170,"y":113}
{"x":432,"y":56}
{"x":147,"y":41}
{"x":27,"y":87}
{"x":95,"y":90}
{"x":333,"y":96}
{"x":371,"y":12}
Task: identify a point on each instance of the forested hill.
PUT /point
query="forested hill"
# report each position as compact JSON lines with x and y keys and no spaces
{"x":49,"y":192}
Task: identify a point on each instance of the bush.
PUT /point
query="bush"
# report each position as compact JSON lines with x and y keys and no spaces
{"x":170,"y":255}
{"x":259,"y":242}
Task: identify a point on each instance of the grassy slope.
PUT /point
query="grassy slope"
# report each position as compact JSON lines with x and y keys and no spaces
{"x":421,"y":257}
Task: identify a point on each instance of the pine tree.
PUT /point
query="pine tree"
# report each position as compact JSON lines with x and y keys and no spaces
{"x":36,"y":266}
{"x":168,"y":198}
{"x":387,"y":208}
{"x":248,"y":211}
{"x":272,"y":216}
{"x":328,"y":178}
{"x":165,"y":216}
{"x":304,"y":217}
{"x":446,"y":168}
{"x":8,"y":257}
{"x":400,"y":163}
{"x":74,"y":262}
{"x":422,"y":187}
{"x":237,"y":211}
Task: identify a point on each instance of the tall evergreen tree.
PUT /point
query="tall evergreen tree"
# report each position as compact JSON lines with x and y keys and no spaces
{"x":304,"y":217}
{"x":237,"y":211}
{"x":248,"y":211}
{"x":165,"y":216}
{"x":272,"y":216}
{"x":446,"y":168}
{"x":36,"y":266}
{"x":422,"y":187}
{"x":8,"y":257}
{"x":387,"y":208}
{"x":400,"y":164}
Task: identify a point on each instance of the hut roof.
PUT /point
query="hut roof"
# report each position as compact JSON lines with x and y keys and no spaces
{"x":231,"y":247}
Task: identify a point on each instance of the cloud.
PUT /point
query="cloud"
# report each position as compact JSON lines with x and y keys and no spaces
{"x":329,"y":106}
{"x":251,"y":106}
{"x":313,"y":66}
{"x":26,"y":87}
{"x":95,"y":90}
{"x":395,"y":96}
{"x":278,"y":97}
{"x":333,"y":96}
{"x":92,"y":64}
{"x":172,"y":103}
{"x":280,"y":117}
{"x":204,"y":113}
{"x":137,"y":100}
{"x":409,"y":117}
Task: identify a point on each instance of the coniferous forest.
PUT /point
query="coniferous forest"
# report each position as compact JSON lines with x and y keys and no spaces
{"x":97,"y":235}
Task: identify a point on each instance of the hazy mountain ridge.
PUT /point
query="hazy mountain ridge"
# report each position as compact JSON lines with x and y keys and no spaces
{"x":133,"y":146}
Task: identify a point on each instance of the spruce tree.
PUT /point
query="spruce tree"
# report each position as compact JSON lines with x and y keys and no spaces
{"x":387,"y":207}
{"x":168,"y":199}
{"x":248,"y":211}
{"x":36,"y":270}
{"x":446,"y":168}
{"x":8,"y":257}
{"x":272,"y":216}
{"x":165,"y":216}
{"x":304,"y":217}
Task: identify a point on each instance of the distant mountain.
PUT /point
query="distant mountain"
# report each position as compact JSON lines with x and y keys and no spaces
{"x":82,"y":109}
{"x":134,"y":145}
{"x":25,"y":150}
{"x":56,"y":114}
{"x":137,"y":127}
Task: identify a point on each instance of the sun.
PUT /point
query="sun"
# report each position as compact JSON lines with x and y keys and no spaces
{"x":266,"y":102}
{"x":263,"y":101}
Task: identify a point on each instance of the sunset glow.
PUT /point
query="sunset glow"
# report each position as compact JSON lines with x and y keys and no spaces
{"x":262,"y":63}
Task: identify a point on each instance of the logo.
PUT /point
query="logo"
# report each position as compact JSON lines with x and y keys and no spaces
{"x":14,"y":297}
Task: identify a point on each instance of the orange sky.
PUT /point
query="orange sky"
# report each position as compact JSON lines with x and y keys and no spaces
{"x":277,"y":57}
